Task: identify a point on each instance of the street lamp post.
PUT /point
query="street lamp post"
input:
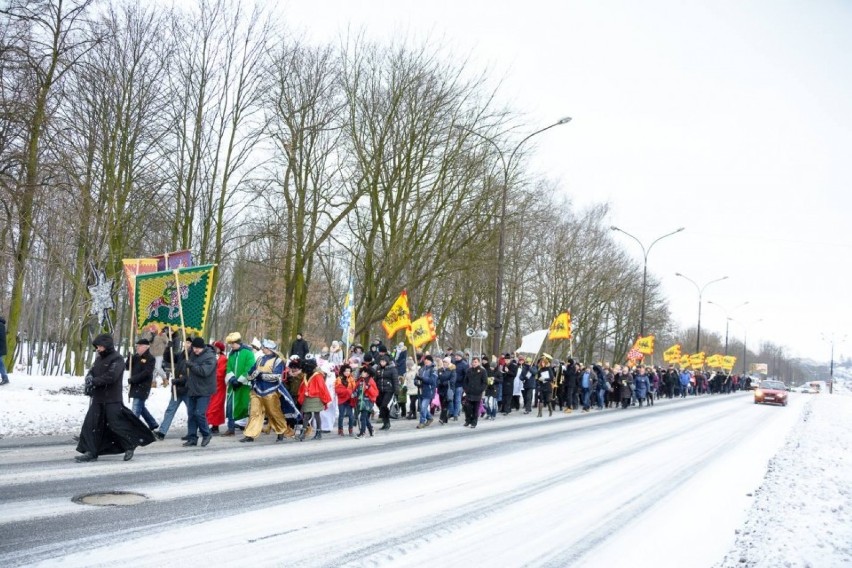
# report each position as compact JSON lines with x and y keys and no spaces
{"x":700,"y":294}
{"x":831,"y":367}
{"x":645,"y":253}
{"x":501,"y":245}
{"x":745,"y":338}
{"x":727,"y":319}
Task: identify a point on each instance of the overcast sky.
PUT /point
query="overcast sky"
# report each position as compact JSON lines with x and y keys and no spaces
{"x":730,"y":118}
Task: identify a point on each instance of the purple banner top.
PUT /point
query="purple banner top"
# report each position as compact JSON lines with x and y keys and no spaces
{"x":172,"y":260}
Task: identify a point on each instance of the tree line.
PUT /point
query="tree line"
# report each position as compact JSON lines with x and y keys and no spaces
{"x":129,"y":128}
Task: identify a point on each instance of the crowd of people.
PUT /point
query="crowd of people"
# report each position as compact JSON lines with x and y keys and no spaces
{"x":233,"y":386}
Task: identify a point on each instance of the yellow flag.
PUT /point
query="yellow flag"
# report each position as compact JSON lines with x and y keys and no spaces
{"x":697,"y":360}
{"x":561,"y":327}
{"x":422,"y":331}
{"x":672,"y":354}
{"x":728,"y":362}
{"x":645,"y":345}
{"x":399,"y":316}
{"x":714,"y":360}
{"x":684,"y":360}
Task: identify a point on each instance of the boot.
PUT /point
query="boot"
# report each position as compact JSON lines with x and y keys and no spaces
{"x":340,"y":431}
{"x":350,"y":431}
{"x":302,"y":434}
{"x":86,"y":457}
{"x":318,"y":435}
{"x":539,"y":411}
{"x":550,"y":409}
{"x":229,"y":433}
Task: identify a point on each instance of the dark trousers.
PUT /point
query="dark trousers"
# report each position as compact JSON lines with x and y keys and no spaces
{"x":573,"y":398}
{"x":196,"y":410}
{"x":445,"y":406}
{"x":471,"y":412}
{"x":383,"y":401}
{"x":528,"y":396}
{"x":413,"y":399}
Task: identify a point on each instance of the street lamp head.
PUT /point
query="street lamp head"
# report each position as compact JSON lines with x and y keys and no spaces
{"x":614,"y":228}
{"x":681,"y":229}
{"x":678,"y":274}
{"x":564,"y":120}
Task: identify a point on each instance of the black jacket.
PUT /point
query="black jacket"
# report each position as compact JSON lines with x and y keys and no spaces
{"x":300,"y":348}
{"x":141,"y":374}
{"x":387,"y":378}
{"x":179,"y":378}
{"x":3,"y":348}
{"x":201,"y":373}
{"x":475,"y":381}
{"x":107,"y":372}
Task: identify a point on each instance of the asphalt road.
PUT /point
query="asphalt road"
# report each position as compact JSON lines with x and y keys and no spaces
{"x":566,"y":485}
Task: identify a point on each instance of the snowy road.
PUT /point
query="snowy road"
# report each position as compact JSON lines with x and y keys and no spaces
{"x":668,"y":484}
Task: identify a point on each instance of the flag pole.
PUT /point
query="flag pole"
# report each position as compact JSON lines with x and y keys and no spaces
{"x":182,"y":324}
{"x":132,"y":324}
{"x":180,"y":311}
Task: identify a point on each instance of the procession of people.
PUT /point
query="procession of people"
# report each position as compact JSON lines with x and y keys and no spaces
{"x":257,"y":389}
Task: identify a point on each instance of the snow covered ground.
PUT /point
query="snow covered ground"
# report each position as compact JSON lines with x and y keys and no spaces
{"x":713,"y":481}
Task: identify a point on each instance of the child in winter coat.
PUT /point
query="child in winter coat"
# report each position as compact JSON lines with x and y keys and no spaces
{"x":365,"y":394}
{"x":313,"y":397}
{"x":343,"y":388}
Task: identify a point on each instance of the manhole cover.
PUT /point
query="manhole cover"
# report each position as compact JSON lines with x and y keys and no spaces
{"x":110,"y":499}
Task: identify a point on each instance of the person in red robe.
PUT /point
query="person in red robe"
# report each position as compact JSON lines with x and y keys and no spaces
{"x":216,"y":410}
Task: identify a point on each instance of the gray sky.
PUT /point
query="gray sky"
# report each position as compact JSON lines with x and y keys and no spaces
{"x":730,"y":118}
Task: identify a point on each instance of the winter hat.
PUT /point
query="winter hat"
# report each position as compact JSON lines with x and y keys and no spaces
{"x":220,"y":346}
{"x":268,"y":344}
{"x":309,"y":366}
{"x":198,"y":342}
{"x":382,"y":348}
{"x":104,"y":340}
{"x":255,"y":343}
{"x":429,"y":358}
{"x":294,"y":364}
{"x":234,"y":337}
{"x":446,"y":360}
{"x":368,"y":358}
{"x":142,"y":341}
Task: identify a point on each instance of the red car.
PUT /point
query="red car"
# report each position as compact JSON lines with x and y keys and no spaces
{"x":774,"y":392}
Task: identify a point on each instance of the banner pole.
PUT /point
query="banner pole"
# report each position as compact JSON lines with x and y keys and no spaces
{"x":132,"y":325}
{"x":180,"y":311}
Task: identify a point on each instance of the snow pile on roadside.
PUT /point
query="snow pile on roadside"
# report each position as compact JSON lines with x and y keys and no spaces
{"x":49,"y":406}
{"x":802,"y":514}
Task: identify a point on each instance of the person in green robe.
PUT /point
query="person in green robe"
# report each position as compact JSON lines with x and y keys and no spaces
{"x":241,"y":359}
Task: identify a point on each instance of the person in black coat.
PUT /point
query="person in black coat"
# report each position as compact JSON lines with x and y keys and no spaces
{"x":141,"y":367}
{"x":109,"y":426}
{"x":509,"y":374}
{"x":300,"y":347}
{"x":4,"y":378}
{"x":387,"y":379}
{"x":474,"y":383}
